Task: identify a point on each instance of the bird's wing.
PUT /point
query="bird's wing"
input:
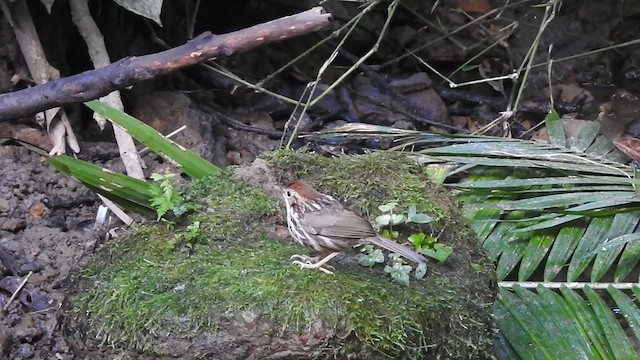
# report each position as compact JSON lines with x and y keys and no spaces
{"x":346,"y":224}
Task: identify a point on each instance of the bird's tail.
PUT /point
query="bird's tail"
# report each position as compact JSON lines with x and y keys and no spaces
{"x":397,"y":248}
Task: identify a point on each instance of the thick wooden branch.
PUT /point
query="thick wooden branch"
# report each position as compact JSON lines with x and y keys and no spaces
{"x":93,"y":84}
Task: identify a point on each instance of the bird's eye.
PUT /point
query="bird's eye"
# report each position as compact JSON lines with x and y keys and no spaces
{"x":288,"y":193}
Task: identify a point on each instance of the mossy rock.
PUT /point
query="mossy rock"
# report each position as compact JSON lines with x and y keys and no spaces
{"x":231,"y":292}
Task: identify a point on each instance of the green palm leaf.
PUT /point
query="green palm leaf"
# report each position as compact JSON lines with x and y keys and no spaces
{"x":563,"y":202}
{"x":543,"y":324}
{"x":547,"y":212}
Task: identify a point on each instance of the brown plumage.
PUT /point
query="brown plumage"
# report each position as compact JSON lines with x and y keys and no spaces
{"x":321,"y":223}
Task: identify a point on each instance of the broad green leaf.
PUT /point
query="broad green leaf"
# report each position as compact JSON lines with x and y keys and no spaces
{"x":555,"y":129}
{"x":622,"y":224}
{"x":501,"y":347}
{"x":547,"y":224}
{"x":539,"y":245}
{"x":411,"y":212}
{"x":397,"y":219}
{"x":587,"y":168}
{"x":572,"y":189}
{"x":563,"y":246}
{"x":417,"y":239}
{"x":546,"y":324}
{"x":383,"y":220}
{"x":192,"y":164}
{"x":589,"y":323}
{"x":512,"y":253}
{"x":612,"y":330}
{"x":564,"y":323}
{"x":628,"y":260}
{"x":484,"y":220}
{"x":629,"y":309}
{"x":562,"y":200}
{"x":601,"y":146}
{"x":388,"y":207}
{"x":523,"y":330}
{"x":592,"y":239}
{"x":421,"y":219}
{"x":500,"y":237}
{"x":587,"y":136}
{"x":617,"y":242}
{"x":588,"y":208}
{"x":540,"y":182}
{"x":131,"y":193}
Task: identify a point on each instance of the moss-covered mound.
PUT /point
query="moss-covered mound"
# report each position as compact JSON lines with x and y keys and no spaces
{"x":228,"y":290}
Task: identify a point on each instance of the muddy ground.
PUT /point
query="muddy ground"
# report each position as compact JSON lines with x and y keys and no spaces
{"x":47,"y":225}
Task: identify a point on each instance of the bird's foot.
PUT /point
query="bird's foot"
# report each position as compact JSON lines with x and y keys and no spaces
{"x":308,"y":262}
{"x":303,"y":258}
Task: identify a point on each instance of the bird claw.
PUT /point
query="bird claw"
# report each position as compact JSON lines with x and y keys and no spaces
{"x":307,"y":262}
{"x":303,"y":258}
{"x":310,"y":265}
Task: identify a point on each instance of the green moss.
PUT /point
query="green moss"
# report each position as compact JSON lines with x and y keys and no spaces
{"x":135,"y":289}
{"x":146,"y":297}
{"x":362,"y":181}
{"x":229,"y":205}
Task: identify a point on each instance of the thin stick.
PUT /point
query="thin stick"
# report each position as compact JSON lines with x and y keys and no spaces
{"x":15,"y":293}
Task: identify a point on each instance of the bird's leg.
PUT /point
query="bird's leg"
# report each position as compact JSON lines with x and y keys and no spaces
{"x":303,"y":258}
{"x":310,"y":260}
{"x":318,"y":264}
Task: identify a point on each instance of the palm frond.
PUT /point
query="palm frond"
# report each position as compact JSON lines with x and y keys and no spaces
{"x":531,"y":201}
{"x":543,"y":324}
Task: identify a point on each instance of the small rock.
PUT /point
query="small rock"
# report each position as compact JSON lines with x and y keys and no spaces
{"x":5,"y":340}
{"x":4,"y":205}
{"x":34,"y":136}
{"x":30,"y":266}
{"x":38,"y":210}
{"x":12,"y":224}
{"x":26,"y":329}
{"x":416,"y":82}
{"x":25,"y":351}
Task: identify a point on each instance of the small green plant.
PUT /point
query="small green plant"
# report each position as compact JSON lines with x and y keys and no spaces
{"x":186,"y":238}
{"x":370,"y":256}
{"x":439,"y":252}
{"x":189,"y":236}
{"x":428,"y":245}
{"x":477,"y":267}
{"x":398,"y":270}
{"x":389,"y":219}
{"x":165,"y":197}
{"x":193,"y":231}
{"x":385,"y":223}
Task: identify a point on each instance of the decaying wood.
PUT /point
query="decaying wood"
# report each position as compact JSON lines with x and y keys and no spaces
{"x":57,"y":123}
{"x":125,"y":72}
{"x":100,"y":57}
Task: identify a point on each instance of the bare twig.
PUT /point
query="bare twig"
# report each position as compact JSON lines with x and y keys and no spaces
{"x":17,"y":292}
{"x":95,"y":83}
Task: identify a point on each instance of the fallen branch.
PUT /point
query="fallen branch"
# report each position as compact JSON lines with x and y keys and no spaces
{"x":93,"y":84}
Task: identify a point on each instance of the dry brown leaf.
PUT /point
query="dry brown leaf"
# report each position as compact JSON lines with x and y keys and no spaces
{"x":630,"y":146}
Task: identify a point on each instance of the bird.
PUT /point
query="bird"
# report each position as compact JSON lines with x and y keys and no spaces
{"x":322,"y":224}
